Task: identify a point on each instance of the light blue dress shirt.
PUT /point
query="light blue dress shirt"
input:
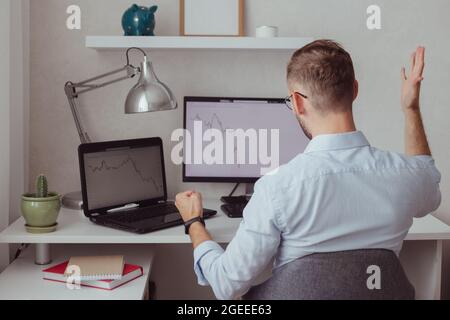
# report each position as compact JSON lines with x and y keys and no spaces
{"x":341,"y":194}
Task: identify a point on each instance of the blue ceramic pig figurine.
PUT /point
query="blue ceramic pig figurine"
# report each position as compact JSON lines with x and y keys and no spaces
{"x":139,"y":21}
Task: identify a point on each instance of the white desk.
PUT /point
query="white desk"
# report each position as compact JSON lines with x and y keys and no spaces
{"x":74,"y":227}
{"x":421,"y":257}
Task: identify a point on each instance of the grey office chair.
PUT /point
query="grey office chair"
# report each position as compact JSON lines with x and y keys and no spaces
{"x":336,"y":276}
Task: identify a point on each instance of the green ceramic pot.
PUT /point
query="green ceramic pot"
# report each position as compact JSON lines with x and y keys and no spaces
{"x":41,"y":212}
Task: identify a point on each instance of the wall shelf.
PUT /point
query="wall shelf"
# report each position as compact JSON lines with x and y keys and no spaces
{"x":195,"y":43}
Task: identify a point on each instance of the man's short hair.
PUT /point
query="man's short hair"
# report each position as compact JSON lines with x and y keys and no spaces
{"x":326,"y":71}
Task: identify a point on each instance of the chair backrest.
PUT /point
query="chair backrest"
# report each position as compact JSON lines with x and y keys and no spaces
{"x":338,"y":276}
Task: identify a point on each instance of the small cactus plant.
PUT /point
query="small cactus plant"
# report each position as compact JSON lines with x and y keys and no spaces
{"x":40,"y":209}
{"x":41,"y":187}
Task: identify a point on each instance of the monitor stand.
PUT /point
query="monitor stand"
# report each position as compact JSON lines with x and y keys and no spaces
{"x":231,"y":199}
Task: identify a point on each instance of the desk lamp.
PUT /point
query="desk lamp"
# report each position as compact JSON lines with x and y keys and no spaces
{"x":148,"y":95}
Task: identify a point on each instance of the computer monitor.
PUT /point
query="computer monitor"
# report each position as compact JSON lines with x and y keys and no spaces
{"x":238,"y":140}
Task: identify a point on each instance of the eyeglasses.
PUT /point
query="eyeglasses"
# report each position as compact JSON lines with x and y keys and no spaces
{"x":288,"y":100}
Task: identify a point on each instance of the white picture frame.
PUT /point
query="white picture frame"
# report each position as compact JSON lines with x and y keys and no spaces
{"x":212,"y":18}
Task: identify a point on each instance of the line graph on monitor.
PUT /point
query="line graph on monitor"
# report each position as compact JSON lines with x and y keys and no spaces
{"x":215,"y":122}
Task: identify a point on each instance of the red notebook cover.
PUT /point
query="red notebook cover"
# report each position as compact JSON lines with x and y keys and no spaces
{"x":130,"y":273}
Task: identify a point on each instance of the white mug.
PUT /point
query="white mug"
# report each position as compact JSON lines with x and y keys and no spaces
{"x":267,"y":32}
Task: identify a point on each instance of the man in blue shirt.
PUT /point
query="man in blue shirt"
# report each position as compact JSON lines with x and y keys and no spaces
{"x":341,"y":194}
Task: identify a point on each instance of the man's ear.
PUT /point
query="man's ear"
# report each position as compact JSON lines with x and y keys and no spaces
{"x":299,"y":104}
{"x":355,"y":90}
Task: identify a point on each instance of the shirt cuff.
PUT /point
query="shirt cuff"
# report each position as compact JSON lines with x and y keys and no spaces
{"x":201,"y":251}
{"x":425,"y":158}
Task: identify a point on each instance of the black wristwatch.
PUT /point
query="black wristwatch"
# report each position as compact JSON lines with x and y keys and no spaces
{"x":188,"y":224}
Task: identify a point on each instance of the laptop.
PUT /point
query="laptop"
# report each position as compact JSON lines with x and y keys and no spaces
{"x":124,"y":186}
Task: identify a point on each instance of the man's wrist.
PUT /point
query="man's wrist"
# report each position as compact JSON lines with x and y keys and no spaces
{"x":412,"y":111}
{"x":195,"y":227}
{"x":195,"y":220}
{"x":199,"y":234}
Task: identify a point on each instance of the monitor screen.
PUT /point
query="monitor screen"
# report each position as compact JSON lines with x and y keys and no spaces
{"x":238,"y":140}
{"x":123,"y":176}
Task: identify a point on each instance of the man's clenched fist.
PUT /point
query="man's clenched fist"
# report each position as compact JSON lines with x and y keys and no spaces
{"x":190,"y":205}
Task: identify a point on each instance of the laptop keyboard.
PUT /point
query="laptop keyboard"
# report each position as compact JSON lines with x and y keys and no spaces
{"x":144,"y":213}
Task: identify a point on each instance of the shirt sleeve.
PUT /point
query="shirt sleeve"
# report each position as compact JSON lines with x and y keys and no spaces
{"x":429,"y":192}
{"x":232,"y":272}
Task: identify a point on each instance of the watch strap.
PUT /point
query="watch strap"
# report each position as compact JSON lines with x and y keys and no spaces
{"x":189,"y":223}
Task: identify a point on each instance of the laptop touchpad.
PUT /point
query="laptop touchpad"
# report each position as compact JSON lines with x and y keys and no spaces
{"x":172,"y":218}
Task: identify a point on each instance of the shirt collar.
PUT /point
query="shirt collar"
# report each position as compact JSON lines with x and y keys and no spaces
{"x":341,"y":141}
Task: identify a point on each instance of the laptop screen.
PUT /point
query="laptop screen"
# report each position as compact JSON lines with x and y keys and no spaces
{"x":120,"y":176}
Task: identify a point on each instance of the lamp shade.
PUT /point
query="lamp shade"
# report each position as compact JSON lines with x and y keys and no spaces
{"x":149,"y":94}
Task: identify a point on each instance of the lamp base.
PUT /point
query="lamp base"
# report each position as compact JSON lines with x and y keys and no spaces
{"x":73,"y":201}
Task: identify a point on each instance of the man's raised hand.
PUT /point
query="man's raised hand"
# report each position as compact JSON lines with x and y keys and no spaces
{"x":411,"y":82}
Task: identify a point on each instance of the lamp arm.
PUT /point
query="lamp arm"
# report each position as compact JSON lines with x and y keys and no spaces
{"x":84,"y":137}
{"x":72,"y":94}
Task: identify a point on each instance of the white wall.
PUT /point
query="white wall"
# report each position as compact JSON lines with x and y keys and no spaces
{"x":4,"y":123}
{"x":20,"y":105}
{"x":20,"y":82}
{"x":14,"y":118}
{"x":59,"y":55}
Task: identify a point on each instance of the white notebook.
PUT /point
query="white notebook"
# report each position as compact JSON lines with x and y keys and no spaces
{"x":97,"y":268}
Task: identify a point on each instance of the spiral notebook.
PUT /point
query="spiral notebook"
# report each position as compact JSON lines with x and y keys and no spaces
{"x":130,"y":273}
{"x":97,"y":268}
